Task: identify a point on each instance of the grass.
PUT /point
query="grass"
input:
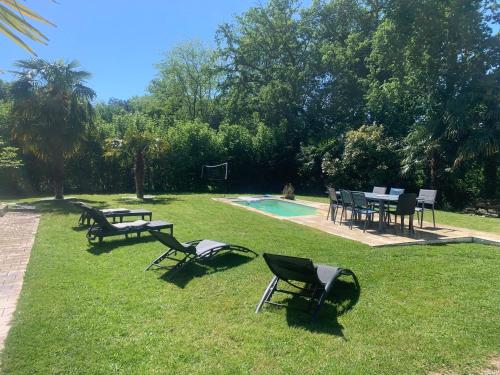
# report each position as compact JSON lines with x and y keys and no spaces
{"x":456,"y":219}
{"x":92,"y":309}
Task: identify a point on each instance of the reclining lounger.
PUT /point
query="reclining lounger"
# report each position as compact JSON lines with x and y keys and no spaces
{"x":113,"y":213}
{"x":103,"y":228}
{"x":192,"y":250}
{"x":318,"y":278}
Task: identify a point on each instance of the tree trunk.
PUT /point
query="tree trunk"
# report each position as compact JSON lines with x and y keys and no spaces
{"x":490,"y":176}
{"x":58,"y":177}
{"x":433,"y":167}
{"x":139,"y":175}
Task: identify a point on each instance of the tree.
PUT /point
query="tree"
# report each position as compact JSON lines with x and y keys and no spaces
{"x":430,"y":81}
{"x":52,"y":108}
{"x":265,"y":56}
{"x":187,"y":84}
{"x":13,"y":23}
{"x":136,"y":137}
{"x":369,"y":159}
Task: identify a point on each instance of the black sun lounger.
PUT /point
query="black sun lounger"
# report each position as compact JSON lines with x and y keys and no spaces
{"x":318,"y":279}
{"x":112,"y":213}
{"x":103,"y":228}
{"x":192,"y":250}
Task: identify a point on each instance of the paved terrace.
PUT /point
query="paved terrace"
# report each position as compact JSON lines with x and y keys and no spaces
{"x":17,"y":234}
{"x":393,"y":236}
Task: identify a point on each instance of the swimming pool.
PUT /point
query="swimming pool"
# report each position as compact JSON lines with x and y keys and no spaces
{"x":278,"y":207}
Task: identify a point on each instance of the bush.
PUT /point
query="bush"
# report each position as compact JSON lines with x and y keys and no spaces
{"x":369,"y":158}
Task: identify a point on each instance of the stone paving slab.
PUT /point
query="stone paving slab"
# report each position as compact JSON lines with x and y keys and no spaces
{"x":393,"y":236}
{"x":17,"y":235}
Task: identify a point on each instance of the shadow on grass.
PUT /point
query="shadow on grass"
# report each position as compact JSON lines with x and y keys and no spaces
{"x":152,"y":201}
{"x":65,"y":206}
{"x":202,"y":268}
{"x":344,"y":296}
{"x":110,"y":244}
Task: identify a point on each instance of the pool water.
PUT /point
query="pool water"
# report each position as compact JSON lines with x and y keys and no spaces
{"x":279,"y":207}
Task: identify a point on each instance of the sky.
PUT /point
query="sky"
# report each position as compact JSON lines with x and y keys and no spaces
{"x":120,"y":41}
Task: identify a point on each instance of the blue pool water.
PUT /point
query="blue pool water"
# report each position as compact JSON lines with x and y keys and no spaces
{"x":279,"y":207}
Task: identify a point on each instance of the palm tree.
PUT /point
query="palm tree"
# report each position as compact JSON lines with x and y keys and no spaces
{"x":136,"y":138}
{"x":52,"y":108}
{"x":13,"y":23}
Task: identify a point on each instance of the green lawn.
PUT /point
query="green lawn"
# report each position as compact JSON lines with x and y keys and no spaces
{"x":92,"y":310}
{"x":457,"y":219}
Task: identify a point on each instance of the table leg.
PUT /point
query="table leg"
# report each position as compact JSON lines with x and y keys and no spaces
{"x":381,"y":215}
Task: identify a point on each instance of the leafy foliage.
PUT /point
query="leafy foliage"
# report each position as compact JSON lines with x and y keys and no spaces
{"x":9,"y":157}
{"x":369,"y":158}
{"x":51,"y":110}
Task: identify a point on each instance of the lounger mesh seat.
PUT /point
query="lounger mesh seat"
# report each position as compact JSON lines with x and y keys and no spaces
{"x":192,"y":251}
{"x":103,"y":228}
{"x":318,"y":279}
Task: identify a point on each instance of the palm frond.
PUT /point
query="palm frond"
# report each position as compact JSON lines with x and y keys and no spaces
{"x":13,"y":24}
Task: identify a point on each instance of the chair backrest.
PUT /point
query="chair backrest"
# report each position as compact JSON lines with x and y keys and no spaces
{"x":406,"y":204}
{"x":346,"y":197}
{"x":359,"y":199}
{"x":99,"y":218}
{"x":292,"y":268}
{"x":379,"y":189}
{"x":427,"y":196}
{"x":332,"y":193}
{"x":396,"y":191}
{"x":171,"y":242}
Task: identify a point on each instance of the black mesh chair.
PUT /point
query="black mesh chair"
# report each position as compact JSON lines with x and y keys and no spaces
{"x":335,"y":204}
{"x":393,"y":191}
{"x":405,"y":207}
{"x":346,"y":197}
{"x":377,"y":190}
{"x":361,"y":207}
{"x":426,"y":197}
{"x":318,"y":279}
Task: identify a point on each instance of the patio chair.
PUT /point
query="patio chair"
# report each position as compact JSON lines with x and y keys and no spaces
{"x":405,"y":207}
{"x":192,"y":251}
{"x":347,"y":204}
{"x":103,"y":228}
{"x":335,"y":204}
{"x":393,"y":191}
{"x":396,"y":191}
{"x":428,"y":197}
{"x":319,"y":279}
{"x":361,"y":207}
{"x":379,"y":190}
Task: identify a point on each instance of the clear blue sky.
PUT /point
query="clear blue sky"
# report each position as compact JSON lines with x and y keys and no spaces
{"x":119,"y":41}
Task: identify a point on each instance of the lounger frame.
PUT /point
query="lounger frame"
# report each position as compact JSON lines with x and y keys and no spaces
{"x":188,"y":249}
{"x":313,"y":290}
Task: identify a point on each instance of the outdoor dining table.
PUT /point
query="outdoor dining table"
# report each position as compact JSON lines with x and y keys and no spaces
{"x":382,"y":199}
